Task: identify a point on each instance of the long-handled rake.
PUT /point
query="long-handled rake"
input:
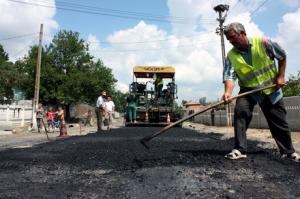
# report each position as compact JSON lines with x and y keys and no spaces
{"x":148,"y":138}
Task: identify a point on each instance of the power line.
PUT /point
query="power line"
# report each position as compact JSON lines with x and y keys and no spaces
{"x":114,"y":13}
{"x":233,"y":7}
{"x":251,"y":12}
{"x":152,"y":49}
{"x":142,"y":42}
{"x":135,"y":42}
{"x":18,"y":36}
{"x":118,"y":11}
{"x":258,"y":7}
{"x":25,"y":47}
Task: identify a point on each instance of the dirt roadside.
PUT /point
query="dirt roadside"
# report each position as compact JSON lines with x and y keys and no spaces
{"x":27,"y":139}
{"x":263,"y":135}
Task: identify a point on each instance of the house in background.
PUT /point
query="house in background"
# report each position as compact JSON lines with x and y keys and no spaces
{"x":192,"y":107}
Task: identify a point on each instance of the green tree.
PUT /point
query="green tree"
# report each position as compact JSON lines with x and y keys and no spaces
{"x":3,"y":55}
{"x":292,"y":87}
{"x":8,"y":77}
{"x":202,"y":101}
{"x":69,"y":74}
{"x":119,"y":99}
{"x":27,"y":68}
{"x":183,"y":102}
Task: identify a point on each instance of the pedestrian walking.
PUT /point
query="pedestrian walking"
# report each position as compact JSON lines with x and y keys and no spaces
{"x":252,"y":62}
{"x":39,"y":116}
{"x":100,"y":110}
{"x":88,"y":118}
{"x":63,"y":127}
{"x":109,"y":108}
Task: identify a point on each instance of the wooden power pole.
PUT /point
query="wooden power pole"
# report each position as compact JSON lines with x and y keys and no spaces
{"x":37,"y":80}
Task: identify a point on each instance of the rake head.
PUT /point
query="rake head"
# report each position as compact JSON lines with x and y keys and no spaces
{"x":144,"y":141}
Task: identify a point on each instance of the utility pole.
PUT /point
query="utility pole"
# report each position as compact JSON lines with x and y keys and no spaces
{"x":220,"y":30}
{"x":37,"y":80}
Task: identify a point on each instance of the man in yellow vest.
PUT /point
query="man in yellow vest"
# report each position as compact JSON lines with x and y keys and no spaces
{"x":158,"y":84}
{"x":252,"y":62}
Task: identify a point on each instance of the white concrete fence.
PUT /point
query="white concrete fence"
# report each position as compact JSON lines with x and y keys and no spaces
{"x":218,"y":118}
{"x":12,"y":116}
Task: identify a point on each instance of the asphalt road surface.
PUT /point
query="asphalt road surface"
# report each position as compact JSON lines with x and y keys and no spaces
{"x":182,"y":163}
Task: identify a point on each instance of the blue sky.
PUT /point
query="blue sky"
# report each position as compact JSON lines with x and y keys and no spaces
{"x":269,"y":16}
{"x":102,"y":25}
{"x":192,"y":48}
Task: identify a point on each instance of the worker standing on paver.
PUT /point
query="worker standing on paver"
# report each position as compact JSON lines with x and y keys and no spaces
{"x":131,"y":105}
{"x":158,"y":85}
{"x":252,"y":62}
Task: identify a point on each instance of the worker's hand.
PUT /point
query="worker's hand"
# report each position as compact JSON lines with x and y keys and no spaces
{"x":280,"y":81}
{"x":226,"y":97}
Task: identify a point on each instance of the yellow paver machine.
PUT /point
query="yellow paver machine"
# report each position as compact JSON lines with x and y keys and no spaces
{"x":155,"y":91}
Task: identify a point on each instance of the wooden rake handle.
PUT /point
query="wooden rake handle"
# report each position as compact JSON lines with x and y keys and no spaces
{"x":148,"y":138}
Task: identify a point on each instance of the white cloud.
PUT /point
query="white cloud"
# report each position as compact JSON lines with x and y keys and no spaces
{"x":289,"y":30}
{"x":195,"y":59}
{"x":288,"y":37}
{"x":93,"y":42}
{"x":124,"y":88}
{"x":20,"y":19}
{"x":194,"y":50}
{"x":245,"y":18}
{"x":292,"y":3}
{"x":195,"y":12}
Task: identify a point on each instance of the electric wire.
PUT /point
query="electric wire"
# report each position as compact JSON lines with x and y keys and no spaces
{"x":68,"y":3}
{"x":116,"y":14}
{"x":149,"y":41}
{"x":233,"y":7}
{"x":258,"y":7}
{"x":149,"y":49}
{"x":136,"y":42}
{"x":115,"y":11}
{"x":25,"y":47}
{"x":18,"y":36}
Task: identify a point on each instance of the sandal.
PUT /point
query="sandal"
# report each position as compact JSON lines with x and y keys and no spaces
{"x":235,"y":155}
{"x":294,"y":157}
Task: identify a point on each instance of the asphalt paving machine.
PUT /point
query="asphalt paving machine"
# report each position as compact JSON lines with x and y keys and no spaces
{"x":154,"y":108}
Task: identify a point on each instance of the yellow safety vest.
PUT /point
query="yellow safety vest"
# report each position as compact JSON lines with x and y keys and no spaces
{"x":159,"y":81}
{"x":263,"y":71}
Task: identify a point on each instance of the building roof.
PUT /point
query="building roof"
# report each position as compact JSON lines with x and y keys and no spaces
{"x":192,"y":103}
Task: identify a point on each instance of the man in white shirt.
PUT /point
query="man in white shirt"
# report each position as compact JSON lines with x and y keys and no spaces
{"x":100,"y":109}
{"x":109,"y":108}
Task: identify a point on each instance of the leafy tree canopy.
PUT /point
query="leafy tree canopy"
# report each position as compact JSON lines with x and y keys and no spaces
{"x":202,"y":101}
{"x":69,"y":74}
{"x":8,"y":77}
{"x":292,"y":87}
